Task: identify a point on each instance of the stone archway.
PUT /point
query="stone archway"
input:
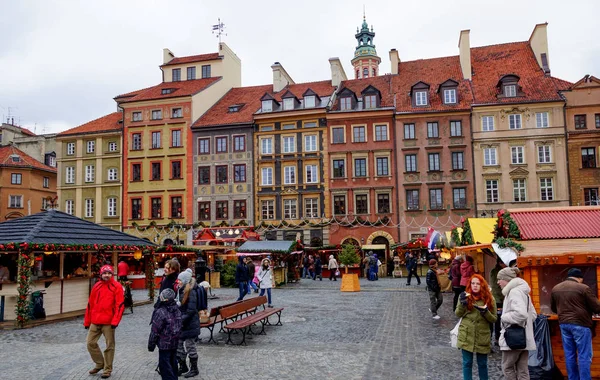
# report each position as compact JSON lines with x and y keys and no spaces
{"x":350,"y":240}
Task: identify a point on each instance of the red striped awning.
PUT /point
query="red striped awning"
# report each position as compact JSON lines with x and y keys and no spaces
{"x":558,"y":223}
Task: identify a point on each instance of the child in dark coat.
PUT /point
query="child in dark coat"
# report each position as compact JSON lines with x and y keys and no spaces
{"x":166,"y":327}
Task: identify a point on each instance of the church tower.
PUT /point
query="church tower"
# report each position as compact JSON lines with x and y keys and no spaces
{"x":365,"y":61}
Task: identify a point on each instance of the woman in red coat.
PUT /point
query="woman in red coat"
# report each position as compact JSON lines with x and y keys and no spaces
{"x":466,"y":271}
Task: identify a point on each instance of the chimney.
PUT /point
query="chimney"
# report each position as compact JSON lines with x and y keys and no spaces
{"x":280,"y":77}
{"x":539,"y":44}
{"x":337,"y":71}
{"x":395,"y":60}
{"x":167,"y":56}
{"x":464,"y":51}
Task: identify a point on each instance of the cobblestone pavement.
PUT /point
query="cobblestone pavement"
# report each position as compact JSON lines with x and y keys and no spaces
{"x":383,"y":332}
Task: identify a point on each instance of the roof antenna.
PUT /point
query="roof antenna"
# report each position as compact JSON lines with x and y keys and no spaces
{"x":220,"y":28}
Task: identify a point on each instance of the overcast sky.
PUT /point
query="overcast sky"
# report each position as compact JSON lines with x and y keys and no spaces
{"x":62,"y":62}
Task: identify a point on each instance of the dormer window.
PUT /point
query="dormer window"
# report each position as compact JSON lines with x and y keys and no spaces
{"x":370,"y":101}
{"x":346,"y":103}
{"x":371,"y":97}
{"x":235,"y":108}
{"x":15,"y":158}
{"x":309,"y":101}
{"x":421,"y":98}
{"x":450,"y":96}
{"x":510,"y":91}
{"x":509,"y":86}
{"x":166,"y":91}
{"x":267,"y":106}
{"x":288,"y":104}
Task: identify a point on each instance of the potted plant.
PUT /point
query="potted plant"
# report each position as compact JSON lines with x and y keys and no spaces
{"x":347,"y":257}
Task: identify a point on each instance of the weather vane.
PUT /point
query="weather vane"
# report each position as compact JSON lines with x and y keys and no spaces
{"x":219,"y":28}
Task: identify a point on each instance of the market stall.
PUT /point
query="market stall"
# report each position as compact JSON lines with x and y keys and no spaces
{"x":281,"y":253}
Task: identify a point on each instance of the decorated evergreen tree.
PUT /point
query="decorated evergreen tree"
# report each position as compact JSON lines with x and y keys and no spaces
{"x":348,"y":256}
{"x":467,"y":234}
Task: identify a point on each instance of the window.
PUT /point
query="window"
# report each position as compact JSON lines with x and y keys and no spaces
{"x":546,"y":189}
{"x":156,"y":204}
{"x":205,"y":71}
{"x":434,"y":161}
{"x":590,"y":197}
{"x":382,"y":166}
{"x":203,"y":175}
{"x":514,"y":121}
{"x":519,"y":190}
{"x":421,"y":98}
{"x":381,"y":133}
{"x":339,"y":204}
{"x":544,"y":156}
{"x":156,"y":140}
{"x":203,"y":146}
{"x":383,"y":203}
{"x":370,"y":101}
{"x":517,"y":156}
{"x":112,"y":174}
{"x":361,"y":204}
{"x":580,"y":122}
{"x":46,"y":182}
{"x":136,"y":116}
{"x":311,"y":174}
{"x":156,"y":115}
{"x":239,"y":143}
{"x":311,"y":207}
{"x":268,"y":210}
{"x":289,"y":144}
{"x":45,"y":204}
{"x":339,"y":170}
{"x":239,"y":173}
{"x":90,"y":146}
{"x":359,"y":134}
{"x":136,"y":172}
{"x":267,"y":106}
{"x":267,"y":146}
{"x":221,"y":173}
{"x":455,"y":128}
{"x":176,"y":75}
{"x":487,"y":123}
{"x":15,"y":201}
{"x":111,"y":206}
{"x":588,"y":157}
{"x":435,"y":199}
{"x":289,"y":175}
{"x":365,"y":72}
{"x":289,"y":208}
{"x":309,"y":101}
{"x":191,"y":73}
{"x":156,"y":172}
{"x":89,"y":208}
{"x":70,"y":149}
{"x":409,"y":131}
{"x":176,"y":113}
{"x":136,"y":141}
{"x":176,"y":138}
{"x":338,"y":135}
{"x":69,"y":209}
{"x":458,"y":161}
{"x":433,"y":130}
{"x":266,"y":176}
{"x":450,"y":96}
{"x":288,"y":104}
{"x":239,"y":209}
{"x":221,"y":144}
{"x":346,"y":103}
{"x":459,"y":197}
{"x":489,"y":156}
{"x":203,"y":210}
{"x":410,"y":163}
{"x":412,"y":199}
{"x":360,"y":167}
{"x":16,"y":178}
{"x":136,"y":209}
{"x":70,"y":174}
{"x":310,"y":124}
{"x":112,"y":146}
{"x":541,"y":120}
{"x":310,"y":143}
{"x":596,"y":117}
{"x":491,"y":191}
{"x":510,"y":91}
{"x":175,"y":169}
{"x":51,"y":159}
{"x":176,"y":207}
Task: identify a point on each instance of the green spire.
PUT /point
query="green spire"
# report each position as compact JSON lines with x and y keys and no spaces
{"x":365,"y":37}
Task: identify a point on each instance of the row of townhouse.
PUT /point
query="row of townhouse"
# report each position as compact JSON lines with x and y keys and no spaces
{"x":372,"y":160}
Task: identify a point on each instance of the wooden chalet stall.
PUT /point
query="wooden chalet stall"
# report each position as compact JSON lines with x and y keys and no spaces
{"x":59,"y":255}
{"x":555,"y":240}
{"x":282,"y":254}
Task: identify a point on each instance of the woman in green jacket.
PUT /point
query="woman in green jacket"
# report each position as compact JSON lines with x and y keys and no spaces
{"x":477,"y":308}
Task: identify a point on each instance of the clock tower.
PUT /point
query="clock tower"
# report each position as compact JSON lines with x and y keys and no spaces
{"x":365,"y":61}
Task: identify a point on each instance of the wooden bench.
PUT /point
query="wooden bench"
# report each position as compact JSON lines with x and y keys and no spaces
{"x":214,"y":318}
{"x":244,"y":323}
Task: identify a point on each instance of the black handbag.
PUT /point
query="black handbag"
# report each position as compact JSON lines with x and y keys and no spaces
{"x":515,"y":335}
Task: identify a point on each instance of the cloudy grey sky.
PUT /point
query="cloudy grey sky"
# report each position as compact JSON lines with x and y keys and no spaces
{"x":62,"y":62}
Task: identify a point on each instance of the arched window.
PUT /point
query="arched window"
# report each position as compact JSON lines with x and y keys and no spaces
{"x":374,"y":72}
{"x":357,"y":74}
{"x":366,"y":72}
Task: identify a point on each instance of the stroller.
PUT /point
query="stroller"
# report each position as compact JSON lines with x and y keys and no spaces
{"x":127,"y":295}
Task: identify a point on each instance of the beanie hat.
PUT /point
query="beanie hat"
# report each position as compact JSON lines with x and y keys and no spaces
{"x":432,"y":262}
{"x":106,"y":268}
{"x":508,"y":274}
{"x":575,"y":272}
{"x":185,"y":277}
{"x":167,"y":295}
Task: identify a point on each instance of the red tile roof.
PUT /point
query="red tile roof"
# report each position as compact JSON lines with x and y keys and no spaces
{"x":182,"y":88}
{"x":558,"y":223}
{"x":490,"y":63}
{"x":561,"y":85}
{"x":433,"y":71}
{"x":322,"y":88}
{"x":219,"y":114}
{"x":192,"y":59}
{"x":24,"y":131}
{"x":110,"y":122}
{"x":26,"y":161}
{"x":382,"y":83}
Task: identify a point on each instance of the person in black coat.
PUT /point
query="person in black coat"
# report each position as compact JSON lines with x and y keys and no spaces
{"x":318,"y":269}
{"x":188,"y":298}
{"x":411,"y":267}
{"x":169,"y":279}
{"x":241,"y":277}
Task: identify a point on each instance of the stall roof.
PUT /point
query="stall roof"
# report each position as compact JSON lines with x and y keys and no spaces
{"x":56,"y":227}
{"x":558,"y":222}
{"x":565,"y":247}
{"x":482,"y":229}
{"x":267,"y":246}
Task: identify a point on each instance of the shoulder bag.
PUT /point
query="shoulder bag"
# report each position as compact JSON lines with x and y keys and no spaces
{"x":515,"y":335}
{"x":454,"y":334}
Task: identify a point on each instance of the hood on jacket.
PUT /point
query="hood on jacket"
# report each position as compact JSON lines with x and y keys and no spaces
{"x":456,"y":261}
{"x":241,"y":259}
{"x":516,"y":283}
{"x":465,"y":265}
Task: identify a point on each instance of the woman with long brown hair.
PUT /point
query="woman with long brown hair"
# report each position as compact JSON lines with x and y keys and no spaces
{"x":477,"y":308}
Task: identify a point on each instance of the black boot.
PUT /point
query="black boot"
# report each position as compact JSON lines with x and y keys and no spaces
{"x":183,"y":368}
{"x":193,"y":368}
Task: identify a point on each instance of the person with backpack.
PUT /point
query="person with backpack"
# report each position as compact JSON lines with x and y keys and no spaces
{"x":190,"y":324}
{"x":373,"y":267}
{"x":434,"y":288}
{"x":166,"y":327}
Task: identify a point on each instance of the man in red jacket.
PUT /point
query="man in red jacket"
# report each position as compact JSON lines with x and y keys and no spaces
{"x":102,"y":316}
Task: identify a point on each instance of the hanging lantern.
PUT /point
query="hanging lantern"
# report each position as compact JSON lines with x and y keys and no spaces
{"x":230,"y":232}
{"x":137,"y":254}
{"x":237,"y":232}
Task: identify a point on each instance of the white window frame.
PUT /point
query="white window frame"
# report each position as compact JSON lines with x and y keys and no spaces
{"x":158,"y":143}
{"x":515,"y":121}
{"x":112,"y":146}
{"x":289,"y":144}
{"x":487,"y":123}
{"x":266,"y":177}
{"x":311,"y":207}
{"x":490,"y":157}
{"x":519,"y":190}
{"x":267,"y":209}
{"x":15,"y":201}
{"x":510,"y":90}
{"x":363,"y":135}
{"x":267,"y":106}
{"x":89,"y":208}
{"x":111,"y":206}
{"x":46,"y":182}
{"x":156,"y":115}
{"x":384,"y":134}
{"x":90,"y":146}
{"x":455,"y":126}
{"x":421,"y":98}
{"x":70,"y":174}
{"x":113,"y":174}
{"x":310,"y":143}
{"x":450,"y":96}
{"x":544,"y":154}
{"x":70,"y":149}
{"x":492,"y":191}
{"x":542,"y":120}
{"x":310,"y":101}
{"x":69,"y":206}
{"x":266,"y":145}
{"x":311,"y":174}
{"x":136,"y":116}
{"x":345,"y":103}
{"x":289,"y":175}
{"x":387,"y":166}
{"x":290,"y":209}
{"x":89,"y":173}
{"x":288,"y":104}
{"x":517,"y":155}
{"x":546,"y":189}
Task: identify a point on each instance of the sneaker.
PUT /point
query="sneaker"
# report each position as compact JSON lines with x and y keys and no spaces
{"x":407,"y":284}
{"x":436,"y":317}
{"x":105,"y":375}
{"x":269,"y":305}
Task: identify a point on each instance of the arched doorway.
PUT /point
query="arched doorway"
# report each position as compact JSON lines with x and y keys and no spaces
{"x":382,"y":255}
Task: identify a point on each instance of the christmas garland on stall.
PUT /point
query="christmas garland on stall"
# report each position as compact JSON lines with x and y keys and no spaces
{"x":151,"y":266}
{"x":507,"y":231}
{"x":70,"y":247}
{"x":22,"y":309}
{"x":467,"y":234}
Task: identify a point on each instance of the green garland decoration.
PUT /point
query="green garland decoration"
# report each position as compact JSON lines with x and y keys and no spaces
{"x":22,"y":309}
{"x":508,"y":242}
{"x":467,"y":234}
{"x":13,"y":246}
{"x":151,"y":266}
{"x":455,"y":237}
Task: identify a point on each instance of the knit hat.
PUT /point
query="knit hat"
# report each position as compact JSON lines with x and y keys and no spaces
{"x":575,"y":272}
{"x":185,"y":277}
{"x":167,"y":295}
{"x":106,"y":268}
{"x":508,"y":274}
{"x":432,"y":262}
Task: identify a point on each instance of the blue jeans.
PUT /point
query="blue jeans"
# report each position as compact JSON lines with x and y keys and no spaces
{"x":482,"y":366}
{"x":251,"y":285}
{"x":262,"y":293}
{"x":167,"y":363}
{"x":577,"y":343}
{"x":243,"y":290}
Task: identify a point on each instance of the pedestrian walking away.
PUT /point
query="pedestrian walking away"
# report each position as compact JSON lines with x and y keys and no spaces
{"x":365,"y":263}
{"x":190,"y":324}
{"x":477,"y":310}
{"x":102,"y":316}
{"x":265,"y":280}
{"x":251,"y":274}
{"x":411,"y":267}
{"x":433,"y":287}
{"x":466,"y":271}
{"x":333,"y":266}
{"x":241,"y":277}
{"x":318,"y":269}
{"x":164,"y":333}
{"x":455,"y":274}
{"x":575,"y":303}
